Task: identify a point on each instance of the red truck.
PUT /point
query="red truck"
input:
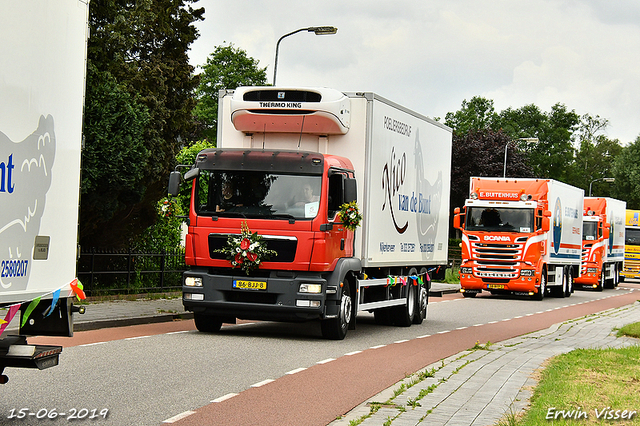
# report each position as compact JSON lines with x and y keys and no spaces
{"x":273,"y":230}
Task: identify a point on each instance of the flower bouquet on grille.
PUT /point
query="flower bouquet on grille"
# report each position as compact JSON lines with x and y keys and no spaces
{"x":350,"y":215}
{"x":246,"y":251}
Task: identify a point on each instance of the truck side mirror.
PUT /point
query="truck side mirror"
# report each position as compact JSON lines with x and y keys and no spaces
{"x":174,"y":183}
{"x":350,"y":190}
{"x":607,"y":231}
{"x":456,"y":218}
{"x":546,"y":225}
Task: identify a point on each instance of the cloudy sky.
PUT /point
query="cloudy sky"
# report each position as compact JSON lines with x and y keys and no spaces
{"x":431,"y":55}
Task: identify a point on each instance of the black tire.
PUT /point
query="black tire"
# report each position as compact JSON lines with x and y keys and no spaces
{"x":562,"y":290}
{"x":569,"y":282}
{"x":207,"y":323}
{"x":616,"y":276}
{"x":465,"y":294}
{"x":543,"y":286}
{"x":402,"y":316}
{"x":336,"y":328}
{"x":382,"y":316}
{"x":421,"y":305}
{"x":602,"y":281}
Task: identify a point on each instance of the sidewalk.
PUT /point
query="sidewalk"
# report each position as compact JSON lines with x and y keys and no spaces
{"x":479,"y":387}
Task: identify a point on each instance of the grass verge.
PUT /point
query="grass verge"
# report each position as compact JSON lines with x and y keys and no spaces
{"x":588,"y":386}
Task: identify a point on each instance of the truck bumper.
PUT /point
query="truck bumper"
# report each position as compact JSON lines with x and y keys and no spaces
{"x":520,"y":285}
{"x":273,"y":298}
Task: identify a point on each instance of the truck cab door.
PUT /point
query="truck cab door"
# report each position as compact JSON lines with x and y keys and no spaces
{"x":339,"y":241}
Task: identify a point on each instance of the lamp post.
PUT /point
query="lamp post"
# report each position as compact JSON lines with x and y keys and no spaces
{"x":316,"y":30}
{"x":535,"y":140}
{"x":607,"y":179}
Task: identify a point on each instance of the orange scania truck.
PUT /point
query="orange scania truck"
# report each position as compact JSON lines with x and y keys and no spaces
{"x":602,"y":242}
{"x":520,"y":236}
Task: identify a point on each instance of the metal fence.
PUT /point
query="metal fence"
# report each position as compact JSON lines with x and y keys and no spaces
{"x":130,"y":272}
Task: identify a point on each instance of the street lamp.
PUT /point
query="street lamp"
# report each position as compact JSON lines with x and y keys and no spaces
{"x":316,"y":30}
{"x":596,"y":180}
{"x":534,"y":140}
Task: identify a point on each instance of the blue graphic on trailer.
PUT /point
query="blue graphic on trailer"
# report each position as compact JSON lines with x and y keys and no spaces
{"x":611,"y":231}
{"x":557,"y":226}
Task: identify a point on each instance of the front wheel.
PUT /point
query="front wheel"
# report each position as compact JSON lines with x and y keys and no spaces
{"x":207,"y":323}
{"x":569,"y":289}
{"x":543,"y":287}
{"x":336,"y":328}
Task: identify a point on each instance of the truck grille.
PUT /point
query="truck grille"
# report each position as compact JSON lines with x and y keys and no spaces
{"x":496,"y":260}
{"x":585,"y":256}
{"x":284,"y":247}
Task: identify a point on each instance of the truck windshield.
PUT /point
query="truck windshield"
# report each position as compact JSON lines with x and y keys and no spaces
{"x":500,"y":219}
{"x":254,"y":194}
{"x":589,"y":231}
{"x":632,"y":237}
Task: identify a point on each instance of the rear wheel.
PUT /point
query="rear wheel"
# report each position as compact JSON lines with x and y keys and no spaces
{"x":336,"y":328}
{"x":421,"y":305}
{"x":403,"y":315}
{"x":207,"y":323}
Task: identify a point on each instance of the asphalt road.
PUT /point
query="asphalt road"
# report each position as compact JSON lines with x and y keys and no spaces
{"x":145,"y":375}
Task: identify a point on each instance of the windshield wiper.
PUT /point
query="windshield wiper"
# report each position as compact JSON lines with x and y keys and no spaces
{"x":291,"y":218}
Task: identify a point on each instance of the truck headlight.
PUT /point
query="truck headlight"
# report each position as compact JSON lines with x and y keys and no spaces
{"x":527,"y":272}
{"x":310,"y":288}
{"x":466,"y":270}
{"x":193,"y":281}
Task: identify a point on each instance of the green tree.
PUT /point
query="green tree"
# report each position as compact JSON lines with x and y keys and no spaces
{"x":115,"y":149}
{"x":227,"y":67}
{"x":595,"y":157}
{"x":481,"y":153}
{"x":626,"y":171}
{"x":187,"y":156}
{"x":476,"y":114}
{"x":140,"y":48}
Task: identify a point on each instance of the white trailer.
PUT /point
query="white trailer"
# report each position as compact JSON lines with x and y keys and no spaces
{"x":402,"y":163}
{"x":42,"y":64}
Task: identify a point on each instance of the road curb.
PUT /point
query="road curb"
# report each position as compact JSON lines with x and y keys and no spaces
{"x":125,"y":322}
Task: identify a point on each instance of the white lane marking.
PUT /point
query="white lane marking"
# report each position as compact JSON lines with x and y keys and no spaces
{"x":136,"y":338}
{"x":377,"y":347}
{"x":179,"y":417}
{"x":326,"y":361}
{"x":225,"y":397}
{"x":422,"y":337}
{"x":402,"y":341}
{"x":262,"y":383}
{"x":93,"y":344}
{"x":353,"y":353}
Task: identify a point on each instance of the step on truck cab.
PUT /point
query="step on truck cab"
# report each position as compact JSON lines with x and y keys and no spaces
{"x":520,"y":236}
{"x":288,"y":162}
{"x":602,"y":243}
{"x":42,"y":69}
